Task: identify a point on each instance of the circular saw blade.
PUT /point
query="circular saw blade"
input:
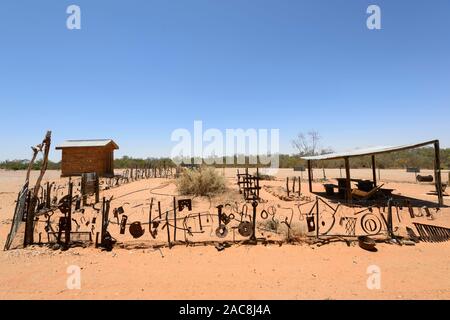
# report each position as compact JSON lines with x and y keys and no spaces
{"x":245,"y":229}
{"x":222,"y":231}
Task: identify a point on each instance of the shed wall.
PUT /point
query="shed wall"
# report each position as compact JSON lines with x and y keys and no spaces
{"x":76,"y":161}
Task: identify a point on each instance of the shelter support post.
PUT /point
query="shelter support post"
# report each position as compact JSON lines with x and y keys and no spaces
{"x":437,"y":173}
{"x":348,"y":185}
{"x":310,"y":177}
{"x":374,"y":172}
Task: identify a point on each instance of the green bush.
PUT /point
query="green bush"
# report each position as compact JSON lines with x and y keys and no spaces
{"x":202,"y":182}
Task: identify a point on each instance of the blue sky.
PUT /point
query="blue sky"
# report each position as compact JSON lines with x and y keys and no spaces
{"x":137,"y":70}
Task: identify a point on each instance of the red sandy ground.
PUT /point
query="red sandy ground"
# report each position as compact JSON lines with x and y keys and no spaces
{"x":333,"y":271}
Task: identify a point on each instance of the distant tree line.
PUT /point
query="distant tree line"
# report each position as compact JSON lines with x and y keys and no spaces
{"x":129,"y":162}
{"x":119,"y":163}
{"x":422,"y":158}
{"x":23,"y":165}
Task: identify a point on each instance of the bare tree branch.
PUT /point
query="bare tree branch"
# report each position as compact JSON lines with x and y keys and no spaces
{"x":307,"y":145}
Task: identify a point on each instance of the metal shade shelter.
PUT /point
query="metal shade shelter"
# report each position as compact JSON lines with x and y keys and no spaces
{"x":376,"y":151}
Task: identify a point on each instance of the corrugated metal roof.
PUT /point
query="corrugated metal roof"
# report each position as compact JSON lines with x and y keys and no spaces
{"x":369,"y":151}
{"x":87,"y":143}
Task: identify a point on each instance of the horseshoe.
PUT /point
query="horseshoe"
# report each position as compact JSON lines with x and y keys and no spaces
{"x":264,"y":214}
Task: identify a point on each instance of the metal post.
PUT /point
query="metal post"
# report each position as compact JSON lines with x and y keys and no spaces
{"x":29,"y":223}
{"x":437,"y":173}
{"x":254,"y":205}
{"x":299,"y":187}
{"x":102,"y":235}
{"x":168,"y":229}
{"x":389,"y":219}
{"x":287,"y":186}
{"x":105,"y":219}
{"x":374,"y":172}
{"x":83,"y":191}
{"x":257,"y":182}
{"x":175,"y":219}
{"x":96,"y":239}
{"x":48,"y":200}
{"x":150,"y":216}
{"x":159,"y":209}
{"x":69,"y":218}
{"x":293,"y":184}
{"x":97,"y":189}
{"x":310,"y":176}
{"x":317,"y":217}
{"x":348,"y":185}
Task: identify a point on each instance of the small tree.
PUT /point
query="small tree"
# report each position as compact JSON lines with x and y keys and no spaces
{"x":307,"y":145}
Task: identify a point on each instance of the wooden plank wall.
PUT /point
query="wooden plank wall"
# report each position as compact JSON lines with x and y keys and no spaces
{"x":76,"y":161}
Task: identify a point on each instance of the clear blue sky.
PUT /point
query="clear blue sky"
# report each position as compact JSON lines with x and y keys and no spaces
{"x":137,"y":70}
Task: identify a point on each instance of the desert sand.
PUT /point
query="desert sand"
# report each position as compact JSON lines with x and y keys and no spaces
{"x":135,"y":269}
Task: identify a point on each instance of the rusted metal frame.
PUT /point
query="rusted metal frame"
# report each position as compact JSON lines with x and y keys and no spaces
{"x":247,"y":184}
{"x":329,"y":206}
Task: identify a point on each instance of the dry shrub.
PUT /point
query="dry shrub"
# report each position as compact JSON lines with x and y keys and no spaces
{"x":266,"y":177}
{"x":298,"y":230}
{"x":202,"y":182}
{"x":269,"y":225}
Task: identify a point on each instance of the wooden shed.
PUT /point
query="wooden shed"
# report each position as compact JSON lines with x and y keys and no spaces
{"x":87,"y":156}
